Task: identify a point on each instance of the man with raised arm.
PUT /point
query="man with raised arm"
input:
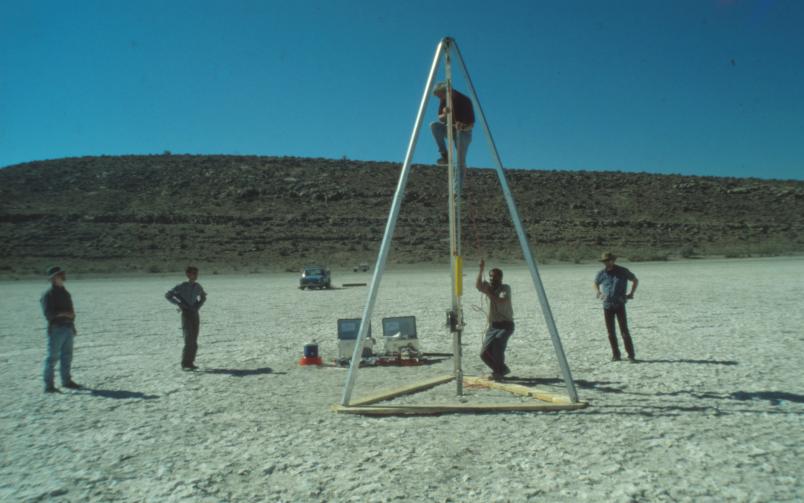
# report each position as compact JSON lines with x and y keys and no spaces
{"x":500,"y":318}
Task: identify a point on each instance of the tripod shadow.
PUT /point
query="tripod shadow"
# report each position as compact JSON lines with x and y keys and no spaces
{"x":773,"y":397}
{"x":697,"y":362}
{"x":602,"y":386}
{"x":241,"y":372}
{"x":645,"y":410}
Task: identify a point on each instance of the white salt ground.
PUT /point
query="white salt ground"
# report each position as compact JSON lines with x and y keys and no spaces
{"x":712,"y":413}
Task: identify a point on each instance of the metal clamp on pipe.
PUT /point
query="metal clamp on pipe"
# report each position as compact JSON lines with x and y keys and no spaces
{"x":452,"y":321}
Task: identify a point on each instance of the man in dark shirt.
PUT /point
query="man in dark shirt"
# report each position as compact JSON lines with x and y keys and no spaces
{"x":463,"y":116}
{"x":57,"y":305}
{"x":189,"y":296}
{"x":610,"y":286}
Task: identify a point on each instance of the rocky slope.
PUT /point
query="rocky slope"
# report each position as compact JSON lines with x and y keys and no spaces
{"x":156,"y":213}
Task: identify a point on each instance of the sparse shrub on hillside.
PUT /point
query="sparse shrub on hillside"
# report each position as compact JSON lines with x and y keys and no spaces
{"x":760,"y":249}
{"x":687,"y":252}
{"x":648,"y":256}
{"x":735,"y":253}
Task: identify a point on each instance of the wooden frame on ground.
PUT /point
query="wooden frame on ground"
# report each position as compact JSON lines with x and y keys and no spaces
{"x":547,"y":400}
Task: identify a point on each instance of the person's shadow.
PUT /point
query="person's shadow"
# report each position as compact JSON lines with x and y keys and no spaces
{"x":240,"y":372}
{"x":119,"y":394}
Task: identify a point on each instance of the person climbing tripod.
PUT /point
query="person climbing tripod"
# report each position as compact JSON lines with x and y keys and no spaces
{"x":463,"y":116}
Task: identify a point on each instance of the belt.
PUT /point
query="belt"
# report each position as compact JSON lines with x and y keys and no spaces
{"x":505,"y":325}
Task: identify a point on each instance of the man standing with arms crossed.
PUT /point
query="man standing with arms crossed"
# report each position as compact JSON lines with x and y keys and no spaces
{"x":189,"y":296}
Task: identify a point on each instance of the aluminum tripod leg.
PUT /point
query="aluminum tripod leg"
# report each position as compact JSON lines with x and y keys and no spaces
{"x":523,"y":241}
{"x":379,"y":267}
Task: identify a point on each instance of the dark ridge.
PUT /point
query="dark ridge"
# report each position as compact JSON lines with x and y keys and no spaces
{"x":155,"y":213}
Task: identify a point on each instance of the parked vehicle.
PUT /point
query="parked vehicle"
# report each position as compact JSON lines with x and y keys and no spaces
{"x":361,"y":267}
{"x":315,"y":276}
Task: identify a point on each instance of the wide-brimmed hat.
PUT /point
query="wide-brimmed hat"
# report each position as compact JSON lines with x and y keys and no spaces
{"x":608,"y":256}
{"x":54,"y":271}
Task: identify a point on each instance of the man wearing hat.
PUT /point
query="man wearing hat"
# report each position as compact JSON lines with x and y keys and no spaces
{"x":463,"y":116}
{"x":58,"y":308}
{"x":610,"y":286}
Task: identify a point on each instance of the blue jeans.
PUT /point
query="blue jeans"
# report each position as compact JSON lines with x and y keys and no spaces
{"x":494,"y":344}
{"x":619,"y":313}
{"x":59,"y":348}
{"x":462,"y":140}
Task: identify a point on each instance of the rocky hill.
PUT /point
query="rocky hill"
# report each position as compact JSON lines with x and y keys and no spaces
{"x":156,"y":213}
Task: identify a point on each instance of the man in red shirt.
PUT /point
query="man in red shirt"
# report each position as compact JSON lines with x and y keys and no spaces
{"x":463,"y":116}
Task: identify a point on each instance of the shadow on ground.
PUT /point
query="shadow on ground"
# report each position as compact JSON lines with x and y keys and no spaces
{"x":240,"y":372}
{"x":697,"y":362}
{"x":119,"y":394}
{"x":602,"y":386}
{"x":714,"y":407}
{"x":774,"y":397}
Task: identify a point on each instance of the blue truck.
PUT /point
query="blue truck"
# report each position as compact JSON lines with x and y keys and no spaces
{"x":315,"y":276}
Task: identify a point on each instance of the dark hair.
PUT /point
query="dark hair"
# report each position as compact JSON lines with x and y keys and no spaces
{"x":191,"y":268}
{"x":498,"y":271}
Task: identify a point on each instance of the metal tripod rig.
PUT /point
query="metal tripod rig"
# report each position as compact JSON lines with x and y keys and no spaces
{"x":447,"y":49}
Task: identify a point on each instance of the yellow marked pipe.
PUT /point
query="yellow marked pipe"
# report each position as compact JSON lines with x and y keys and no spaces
{"x":458,"y":275}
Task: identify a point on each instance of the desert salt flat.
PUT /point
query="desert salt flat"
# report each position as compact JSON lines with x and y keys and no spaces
{"x":714,"y":412}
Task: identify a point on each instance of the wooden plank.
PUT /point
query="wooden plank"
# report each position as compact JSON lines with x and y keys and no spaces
{"x":405,"y":390}
{"x":389,"y":410}
{"x":517,"y":389}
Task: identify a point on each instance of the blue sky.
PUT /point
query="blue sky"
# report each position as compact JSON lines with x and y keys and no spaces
{"x":701,"y":87}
